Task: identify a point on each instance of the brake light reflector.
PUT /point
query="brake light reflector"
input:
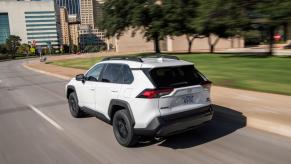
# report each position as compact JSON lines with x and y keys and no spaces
{"x":154,"y":93}
{"x":206,"y":85}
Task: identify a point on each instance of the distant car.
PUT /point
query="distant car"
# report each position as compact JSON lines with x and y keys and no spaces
{"x":154,"y":96}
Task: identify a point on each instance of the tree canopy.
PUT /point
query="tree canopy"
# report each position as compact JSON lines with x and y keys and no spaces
{"x":192,"y":18}
{"x":12,"y":44}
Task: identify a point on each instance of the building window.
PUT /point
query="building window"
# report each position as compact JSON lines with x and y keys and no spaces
{"x":4,"y":27}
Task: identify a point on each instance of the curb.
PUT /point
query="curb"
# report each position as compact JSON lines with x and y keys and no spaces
{"x":253,"y":122}
{"x":269,"y":126}
{"x":46,"y":73}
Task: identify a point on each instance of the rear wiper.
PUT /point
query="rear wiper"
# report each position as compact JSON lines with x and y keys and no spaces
{"x":179,"y":83}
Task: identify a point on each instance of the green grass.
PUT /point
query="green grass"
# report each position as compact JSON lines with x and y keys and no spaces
{"x":266,"y":74}
{"x":84,"y":63}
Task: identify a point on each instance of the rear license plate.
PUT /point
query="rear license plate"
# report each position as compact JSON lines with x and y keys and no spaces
{"x":189,"y":99}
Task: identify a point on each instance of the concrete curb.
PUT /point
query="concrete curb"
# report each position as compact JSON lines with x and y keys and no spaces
{"x":250,"y":121}
{"x":46,"y":73}
{"x":257,"y":123}
{"x":269,"y":126}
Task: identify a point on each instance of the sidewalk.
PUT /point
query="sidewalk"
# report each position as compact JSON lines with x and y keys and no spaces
{"x":265,"y":111}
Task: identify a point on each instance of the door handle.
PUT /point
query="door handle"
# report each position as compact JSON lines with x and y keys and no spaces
{"x":114,"y":91}
{"x":92,"y":88}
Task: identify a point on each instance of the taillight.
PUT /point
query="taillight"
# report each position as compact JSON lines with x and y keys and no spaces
{"x":206,"y":85}
{"x":154,"y":93}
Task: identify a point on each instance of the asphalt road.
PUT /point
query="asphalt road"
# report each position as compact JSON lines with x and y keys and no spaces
{"x":36,"y":128}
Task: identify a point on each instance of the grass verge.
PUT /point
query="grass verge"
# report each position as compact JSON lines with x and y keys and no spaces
{"x":259,"y":73}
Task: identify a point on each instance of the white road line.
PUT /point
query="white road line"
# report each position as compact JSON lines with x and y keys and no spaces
{"x":56,"y":125}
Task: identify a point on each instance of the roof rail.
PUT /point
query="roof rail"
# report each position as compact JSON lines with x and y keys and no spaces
{"x":160,"y":56}
{"x":129,"y":58}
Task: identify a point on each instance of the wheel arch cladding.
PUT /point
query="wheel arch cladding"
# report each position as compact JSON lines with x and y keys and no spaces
{"x":70,"y":89}
{"x":116,"y":105}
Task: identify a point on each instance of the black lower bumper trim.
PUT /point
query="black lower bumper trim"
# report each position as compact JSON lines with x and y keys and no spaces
{"x":175,"y":123}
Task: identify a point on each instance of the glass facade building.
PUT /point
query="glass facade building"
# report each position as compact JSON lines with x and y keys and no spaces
{"x":72,"y":6}
{"x":41,"y":27}
{"x":4,"y":27}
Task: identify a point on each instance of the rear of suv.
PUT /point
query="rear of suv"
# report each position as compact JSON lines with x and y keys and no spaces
{"x":154,"y":96}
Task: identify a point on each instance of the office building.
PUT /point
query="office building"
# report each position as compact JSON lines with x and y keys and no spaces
{"x":4,"y":27}
{"x":33,"y":21}
{"x":64,"y":26}
{"x":90,"y":12}
{"x":89,"y":36}
{"x":72,"y":6}
{"x":90,"y":15}
{"x":73,"y":30}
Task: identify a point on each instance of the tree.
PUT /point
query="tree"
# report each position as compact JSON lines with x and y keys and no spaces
{"x":145,"y":15}
{"x":23,"y":49}
{"x":180,"y":16}
{"x":272,"y":13}
{"x":220,"y":19}
{"x":91,"y":48}
{"x":66,"y":48}
{"x":3,"y":49}
{"x":12,"y":44}
{"x":116,"y":17}
{"x":74,"y":48}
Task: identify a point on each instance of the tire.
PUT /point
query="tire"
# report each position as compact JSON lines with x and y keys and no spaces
{"x":75,"y":110}
{"x":123,"y":129}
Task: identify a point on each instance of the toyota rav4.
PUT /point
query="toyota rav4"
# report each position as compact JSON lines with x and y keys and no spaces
{"x":154,"y":96}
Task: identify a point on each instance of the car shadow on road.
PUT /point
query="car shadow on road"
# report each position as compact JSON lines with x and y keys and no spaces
{"x":225,"y":121}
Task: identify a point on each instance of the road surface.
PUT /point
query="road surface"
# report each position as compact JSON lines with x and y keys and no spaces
{"x":36,"y":128}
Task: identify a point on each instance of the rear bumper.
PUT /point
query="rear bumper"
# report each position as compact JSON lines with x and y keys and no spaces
{"x":177,"y":123}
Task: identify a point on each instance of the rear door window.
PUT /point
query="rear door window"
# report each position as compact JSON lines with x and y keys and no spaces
{"x":127,"y":75}
{"x":175,"y":77}
{"x":112,"y":74}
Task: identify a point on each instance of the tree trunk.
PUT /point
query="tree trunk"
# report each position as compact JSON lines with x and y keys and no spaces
{"x":271,"y":42}
{"x":157,"y":44}
{"x":212,"y":45}
{"x":212,"y":48}
{"x":190,"y":42}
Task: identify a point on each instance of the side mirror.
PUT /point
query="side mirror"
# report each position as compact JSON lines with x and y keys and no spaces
{"x":80,"y":77}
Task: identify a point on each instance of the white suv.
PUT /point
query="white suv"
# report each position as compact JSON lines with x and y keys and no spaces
{"x":153,"y":96}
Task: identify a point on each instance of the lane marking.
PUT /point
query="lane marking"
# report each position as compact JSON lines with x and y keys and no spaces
{"x":51,"y":121}
{"x":0,"y":81}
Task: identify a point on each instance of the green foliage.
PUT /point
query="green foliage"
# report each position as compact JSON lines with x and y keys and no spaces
{"x":145,"y":15}
{"x":66,"y":49}
{"x":23,"y":49}
{"x":274,"y":12}
{"x":193,"y":18}
{"x":3,"y":49}
{"x":12,"y":44}
{"x":252,"y":37}
{"x":74,"y":48}
{"x":270,"y":14}
{"x":32,"y":50}
{"x":222,"y":18}
{"x":116,"y":17}
{"x":91,"y":48}
{"x":180,"y":16}
{"x":45,"y":51}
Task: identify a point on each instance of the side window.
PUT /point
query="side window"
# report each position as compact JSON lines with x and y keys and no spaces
{"x":127,"y":75}
{"x":94,"y":73}
{"x":113,"y":74}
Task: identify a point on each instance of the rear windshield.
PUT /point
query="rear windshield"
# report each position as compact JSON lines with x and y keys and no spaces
{"x":174,"y":77}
